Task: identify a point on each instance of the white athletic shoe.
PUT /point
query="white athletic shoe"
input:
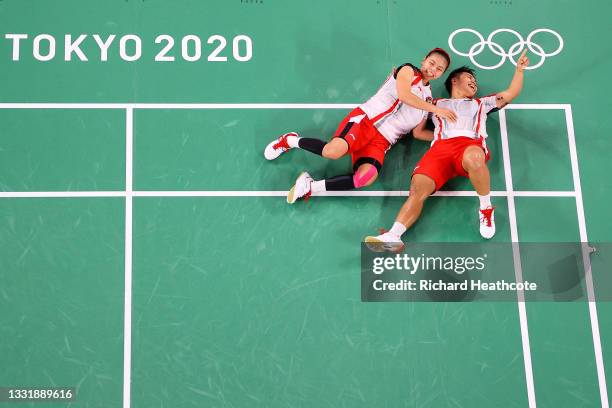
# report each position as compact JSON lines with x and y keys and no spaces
{"x":385,"y":242}
{"x":279,"y":146}
{"x":301,"y":188}
{"x":487,"y":222}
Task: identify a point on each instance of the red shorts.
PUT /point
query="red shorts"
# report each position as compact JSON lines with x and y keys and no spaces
{"x":443,"y":161}
{"x":364,"y":140}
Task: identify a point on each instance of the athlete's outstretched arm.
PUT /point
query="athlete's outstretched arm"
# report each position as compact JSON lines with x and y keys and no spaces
{"x":403,"y":83}
{"x":505,"y":97}
{"x":422,"y":133}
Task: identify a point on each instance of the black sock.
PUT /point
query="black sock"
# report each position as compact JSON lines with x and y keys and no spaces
{"x":340,"y":183}
{"x":312,"y":145}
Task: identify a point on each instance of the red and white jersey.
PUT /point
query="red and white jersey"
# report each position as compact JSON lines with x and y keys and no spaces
{"x":471,"y":117}
{"x":392,"y":117}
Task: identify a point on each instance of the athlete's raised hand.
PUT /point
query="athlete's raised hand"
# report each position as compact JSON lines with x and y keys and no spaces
{"x":505,"y":97}
{"x":523,"y":61}
{"x":447,"y":114}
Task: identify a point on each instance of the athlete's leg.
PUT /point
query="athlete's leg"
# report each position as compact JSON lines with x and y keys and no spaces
{"x":421,"y":188}
{"x":474,"y":163}
{"x":432,"y":172}
{"x":335,"y":149}
{"x":304,"y":186}
{"x":364,"y":176}
{"x":367,"y":163}
{"x":367,"y":148}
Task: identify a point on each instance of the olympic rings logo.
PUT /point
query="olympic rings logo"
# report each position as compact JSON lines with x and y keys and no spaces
{"x":497,"y":49}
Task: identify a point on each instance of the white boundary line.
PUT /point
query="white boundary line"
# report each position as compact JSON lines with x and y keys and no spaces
{"x":538,"y":106}
{"x":262,"y":193}
{"x":518,"y":271}
{"x":127,"y":312}
{"x":36,"y":105}
{"x":601,"y":373}
{"x":178,"y":105}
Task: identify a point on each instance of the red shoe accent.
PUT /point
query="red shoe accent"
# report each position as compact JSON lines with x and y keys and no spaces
{"x":382,"y":231}
{"x":486,"y":213}
{"x":306,"y":196}
{"x":282,"y":141}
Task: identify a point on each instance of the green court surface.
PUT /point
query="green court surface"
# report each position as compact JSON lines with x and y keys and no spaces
{"x":148,"y":257}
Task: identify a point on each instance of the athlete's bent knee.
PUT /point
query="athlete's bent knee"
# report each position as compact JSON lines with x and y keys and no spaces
{"x":330,"y":153}
{"x":473,"y":160}
{"x":474,"y":164}
{"x":333,"y":151}
{"x":364,"y":177}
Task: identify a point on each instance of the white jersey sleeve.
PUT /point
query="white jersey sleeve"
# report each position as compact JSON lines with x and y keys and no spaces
{"x":489,"y":103}
{"x":391,"y":117}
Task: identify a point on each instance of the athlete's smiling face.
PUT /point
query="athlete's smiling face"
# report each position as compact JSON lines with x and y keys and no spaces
{"x":433,"y":66}
{"x":465,"y":84}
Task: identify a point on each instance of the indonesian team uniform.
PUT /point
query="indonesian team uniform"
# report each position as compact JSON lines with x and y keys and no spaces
{"x":373,"y":127}
{"x":443,"y":161}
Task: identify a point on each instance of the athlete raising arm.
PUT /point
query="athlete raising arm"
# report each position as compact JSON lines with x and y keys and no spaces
{"x":458,"y":149}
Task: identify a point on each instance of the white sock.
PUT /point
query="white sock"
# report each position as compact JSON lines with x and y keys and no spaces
{"x":397,"y":229}
{"x":317,"y":186}
{"x":485,"y":201}
{"x":292,"y":141}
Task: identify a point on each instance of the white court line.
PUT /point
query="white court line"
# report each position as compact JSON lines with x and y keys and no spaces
{"x":601,"y":373}
{"x":178,"y":105}
{"x":538,"y":106}
{"x":61,"y":194}
{"x":263,"y":193}
{"x":127,"y":311}
{"x":36,"y":105}
{"x":518,"y":271}
{"x":373,"y":193}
